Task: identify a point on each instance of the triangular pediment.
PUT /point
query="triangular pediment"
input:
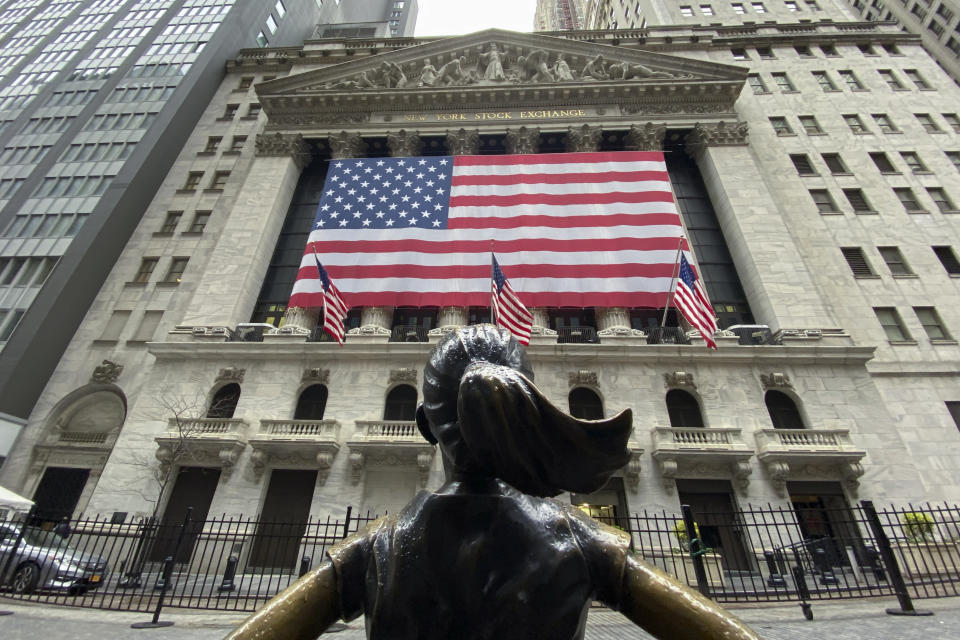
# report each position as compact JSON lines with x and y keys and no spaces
{"x":500,"y":67}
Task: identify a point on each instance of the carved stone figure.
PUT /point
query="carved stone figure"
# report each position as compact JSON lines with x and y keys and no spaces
{"x":493,"y":60}
{"x":392,"y":76}
{"x":452,"y":73}
{"x":627,"y":71}
{"x":534,"y":68}
{"x":488,"y":555}
{"x":428,"y":74}
{"x":596,"y":69}
{"x":561,"y":70}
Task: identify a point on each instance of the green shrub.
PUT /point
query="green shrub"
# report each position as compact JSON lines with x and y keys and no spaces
{"x":918,"y":526}
{"x":680,"y":532}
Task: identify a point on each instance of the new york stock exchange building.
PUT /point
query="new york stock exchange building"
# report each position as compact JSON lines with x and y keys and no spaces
{"x":817,"y":201}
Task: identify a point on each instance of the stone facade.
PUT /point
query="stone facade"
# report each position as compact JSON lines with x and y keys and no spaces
{"x":879,"y":407}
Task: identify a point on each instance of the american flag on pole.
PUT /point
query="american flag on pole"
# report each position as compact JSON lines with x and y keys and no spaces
{"x":334,"y":308}
{"x":571,"y":229}
{"x":692,"y":301}
{"x":507,"y":308}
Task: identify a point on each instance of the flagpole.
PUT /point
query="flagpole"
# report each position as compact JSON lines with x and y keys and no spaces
{"x":493,"y":319}
{"x":673,"y":282}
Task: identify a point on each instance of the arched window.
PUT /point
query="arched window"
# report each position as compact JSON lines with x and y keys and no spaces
{"x":311,"y":404}
{"x":783,"y":411}
{"x":684,"y":410}
{"x":586,"y":404}
{"x":224,"y":401}
{"x":401,"y":403}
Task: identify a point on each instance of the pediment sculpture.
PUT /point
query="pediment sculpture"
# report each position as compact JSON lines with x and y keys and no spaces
{"x":498,"y":64}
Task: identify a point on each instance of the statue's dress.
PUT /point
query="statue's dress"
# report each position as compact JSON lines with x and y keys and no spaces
{"x":497,"y":564}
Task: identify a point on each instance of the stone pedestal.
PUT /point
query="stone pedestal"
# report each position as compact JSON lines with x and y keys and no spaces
{"x":375,"y":325}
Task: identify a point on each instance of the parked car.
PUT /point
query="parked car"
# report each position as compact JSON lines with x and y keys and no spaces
{"x":46,"y":560}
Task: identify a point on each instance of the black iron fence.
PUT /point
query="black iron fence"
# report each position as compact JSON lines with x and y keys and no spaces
{"x":235,"y":564}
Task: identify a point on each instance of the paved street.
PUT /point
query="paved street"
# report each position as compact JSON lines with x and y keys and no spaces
{"x":832,"y":621}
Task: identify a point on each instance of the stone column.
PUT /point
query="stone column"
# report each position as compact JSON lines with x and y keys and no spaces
{"x":583,"y":138}
{"x":523,"y":140}
{"x":225,"y":294}
{"x":757,"y":229}
{"x":404,"y":143}
{"x":647,"y":137}
{"x":614,"y":322}
{"x":375,"y":325}
{"x":463,"y":142}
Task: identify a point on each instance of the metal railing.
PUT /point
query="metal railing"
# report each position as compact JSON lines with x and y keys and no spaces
{"x":405,"y":333}
{"x":666,"y":335}
{"x":577,"y":335}
{"x":757,"y":554}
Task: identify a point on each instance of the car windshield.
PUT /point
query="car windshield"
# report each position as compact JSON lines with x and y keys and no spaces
{"x":47,"y":539}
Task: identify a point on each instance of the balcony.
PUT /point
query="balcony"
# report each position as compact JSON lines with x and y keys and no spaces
{"x":209,"y":441}
{"x":701,"y":453}
{"x":407,"y":333}
{"x":577,"y":335}
{"x":303,"y":443}
{"x":389,"y":442}
{"x":667,"y":335}
{"x":794,"y":453}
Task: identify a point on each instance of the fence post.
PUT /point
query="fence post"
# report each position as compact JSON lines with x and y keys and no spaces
{"x":346,"y":521}
{"x":696,"y":554}
{"x":131,"y":579}
{"x":229,"y":574}
{"x":890,"y":560}
{"x":802,"y":589}
{"x":167,"y":573}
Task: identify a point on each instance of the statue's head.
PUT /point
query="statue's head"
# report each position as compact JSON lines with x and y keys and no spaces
{"x":481,"y":406}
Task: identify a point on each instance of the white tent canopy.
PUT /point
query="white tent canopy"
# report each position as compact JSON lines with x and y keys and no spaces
{"x":13,"y":502}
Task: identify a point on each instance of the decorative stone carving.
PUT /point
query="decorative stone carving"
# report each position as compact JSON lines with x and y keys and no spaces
{"x":313,"y":118}
{"x":677,"y":379}
{"x":404,"y":143}
{"x":523,"y":140}
{"x":621,"y":332}
{"x":776,"y":381}
{"x":106,"y":372}
{"x":218,"y":333}
{"x":493,"y":60}
{"x":316,"y":376}
{"x":583,"y":138}
{"x":741,"y":474}
{"x":627,"y":71}
{"x":716,"y":134}
{"x":661,"y":108}
{"x":634,"y":467}
{"x":356,"y":465}
{"x":289,"y":330}
{"x":778,"y":471}
{"x":668,"y":472}
{"x":646,"y":137}
{"x":231,"y":374}
{"x":403,"y":375}
{"x":298,"y":321}
{"x":582,"y":377}
{"x":463,"y":142}
{"x":428,"y":74}
{"x":374,"y":321}
{"x":345,"y":145}
{"x":424,"y":460}
{"x":615,"y":322}
{"x":368,"y":330}
{"x":284,"y":145}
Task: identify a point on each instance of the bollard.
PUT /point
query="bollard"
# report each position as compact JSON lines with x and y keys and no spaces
{"x":163,"y":580}
{"x":802,"y":591}
{"x":822,"y":562}
{"x":305,"y":563}
{"x":166,"y":575}
{"x":229,"y":574}
{"x":873,"y":559}
{"x":775,"y":579}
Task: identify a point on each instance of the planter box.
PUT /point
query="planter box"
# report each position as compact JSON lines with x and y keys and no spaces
{"x":680,"y":566}
{"x":921,"y":559}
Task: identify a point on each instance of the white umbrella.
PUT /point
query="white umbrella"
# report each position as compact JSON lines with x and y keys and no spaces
{"x":13,"y":502}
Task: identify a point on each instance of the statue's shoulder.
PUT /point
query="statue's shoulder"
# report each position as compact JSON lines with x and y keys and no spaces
{"x":360,"y":541}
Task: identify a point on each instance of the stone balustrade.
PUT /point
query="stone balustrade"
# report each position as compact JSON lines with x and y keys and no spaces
{"x":702,"y":453}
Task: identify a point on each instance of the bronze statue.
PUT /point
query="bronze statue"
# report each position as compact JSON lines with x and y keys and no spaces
{"x":488,"y":555}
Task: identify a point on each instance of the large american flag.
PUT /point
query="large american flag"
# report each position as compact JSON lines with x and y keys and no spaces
{"x":692,"y":301}
{"x":572,"y":229}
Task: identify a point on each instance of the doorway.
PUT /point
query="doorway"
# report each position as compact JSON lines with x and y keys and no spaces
{"x":283,"y":520}
{"x":825,"y":519}
{"x":58,"y":493}
{"x":194,"y":487}
{"x":718,"y":518}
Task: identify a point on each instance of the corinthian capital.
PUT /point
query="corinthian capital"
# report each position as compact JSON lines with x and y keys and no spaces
{"x":345,"y":145}
{"x":284,"y":145}
{"x":404,"y":143}
{"x":583,"y":138}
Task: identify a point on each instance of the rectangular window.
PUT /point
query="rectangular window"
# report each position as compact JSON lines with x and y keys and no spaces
{"x":261,"y":39}
{"x":927,"y":123}
{"x":280,"y":9}
{"x":932,"y":324}
{"x":200,"y":219}
{"x":857,"y":262}
{"x":953,"y":120}
{"x":738,"y":8}
{"x":883,"y":162}
{"x":245,"y":83}
{"x":941,"y":199}
{"x":175,"y":272}
{"x":148,"y":326}
{"x":115,"y":325}
{"x":739,"y":54}
{"x":855,"y":123}
{"x":782,"y":127}
{"x":803,"y":51}
{"x":954,"y":409}
{"x":686,"y":11}
{"x":192,"y":181}
{"x":851,"y":80}
{"x":835,"y":163}
{"x":791,"y":6}
{"x":230,"y":111}
{"x":948,"y":259}
{"x":147,"y":265}
{"x":888,"y":76}
{"x":783,"y":82}
{"x":271,"y":24}
{"x":253,"y":110}
{"x":765,"y":53}
{"x":914,"y":162}
{"x":810,"y":125}
{"x":821,"y":198}
{"x":857,"y":200}
{"x":13,"y":317}
{"x":756,"y":84}
{"x":829,"y":50}
{"x":908,"y":199}
{"x":884,"y":123}
{"x":758,"y":7}
{"x":219,"y":180}
{"x":237,"y":143}
{"x":918,"y":81}
{"x":867,"y":49}
{"x":170,"y":223}
{"x":803,"y":165}
{"x":954,"y":157}
{"x":706,"y":9}
{"x":895,"y":262}
{"x":891,"y":49}
{"x":212,"y":143}
{"x":826,"y":84}
{"x":892,"y":325}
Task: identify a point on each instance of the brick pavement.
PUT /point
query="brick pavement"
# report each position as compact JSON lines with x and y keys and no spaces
{"x":848,"y":620}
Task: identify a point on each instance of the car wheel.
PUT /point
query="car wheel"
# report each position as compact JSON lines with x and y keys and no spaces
{"x":26,"y":578}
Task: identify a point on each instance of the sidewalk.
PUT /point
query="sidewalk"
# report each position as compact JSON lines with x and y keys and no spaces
{"x":848,"y":620}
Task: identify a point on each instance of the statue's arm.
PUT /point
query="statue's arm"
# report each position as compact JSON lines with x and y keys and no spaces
{"x":670,"y":611}
{"x":301,"y":612}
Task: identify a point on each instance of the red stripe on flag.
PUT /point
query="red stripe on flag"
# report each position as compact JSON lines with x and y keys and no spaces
{"x":559,"y":199}
{"x":560,"y":178}
{"x":567,"y":222}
